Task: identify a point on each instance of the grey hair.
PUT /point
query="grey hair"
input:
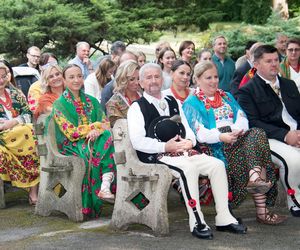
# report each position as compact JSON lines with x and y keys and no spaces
{"x":80,"y":44}
{"x":217,"y":37}
{"x":278,"y":35}
{"x":149,"y":66}
{"x":33,"y":48}
{"x":252,"y":50}
{"x":117,"y":45}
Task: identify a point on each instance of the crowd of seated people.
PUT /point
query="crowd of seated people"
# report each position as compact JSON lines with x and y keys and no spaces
{"x":85,"y":106}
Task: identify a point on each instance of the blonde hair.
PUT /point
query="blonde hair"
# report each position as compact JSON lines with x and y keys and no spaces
{"x":201,"y":67}
{"x":45,"y":75}
{"x":3,"y":66}
{"x":125,"y":69}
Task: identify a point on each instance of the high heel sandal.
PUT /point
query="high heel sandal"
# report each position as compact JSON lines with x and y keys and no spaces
{"x":268,"y":217}
{"x":259,"y":185}
{"x":271,"y":218}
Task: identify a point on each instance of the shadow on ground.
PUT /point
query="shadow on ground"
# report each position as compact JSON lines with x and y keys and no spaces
{"x":20,"y":228}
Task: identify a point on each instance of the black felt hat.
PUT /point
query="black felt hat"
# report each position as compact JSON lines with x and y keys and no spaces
{"x":165,"y":128}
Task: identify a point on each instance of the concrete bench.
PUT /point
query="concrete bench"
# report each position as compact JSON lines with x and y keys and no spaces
{"x":150,"y":182}
{"x":61,"y":176}
{"x":2,"y":199}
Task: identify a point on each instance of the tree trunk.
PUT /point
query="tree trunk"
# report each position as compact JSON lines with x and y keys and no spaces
{"x":281,"y":6}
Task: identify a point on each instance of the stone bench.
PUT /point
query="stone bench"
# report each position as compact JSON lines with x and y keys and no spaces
{"x":150,"y":182}
{"x":61,"y":176}
{"x":2,"y":199}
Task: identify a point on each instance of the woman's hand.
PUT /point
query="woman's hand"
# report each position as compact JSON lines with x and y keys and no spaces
{"x":238,"y":132}
{"x":7,"y":124}
{"x":93,"y":135}
{"x":230,"y":137}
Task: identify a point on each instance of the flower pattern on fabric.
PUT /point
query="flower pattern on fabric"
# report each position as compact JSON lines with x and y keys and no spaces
{"x":202,"y":97}
{"x":74,"y":119}
{"x":19,"y":162}
{"x":250,"y":150}
{"x":224,"y":112}
{"x":21,"y":109}
{"x":75,"y":133}
{"x":116,"y":108}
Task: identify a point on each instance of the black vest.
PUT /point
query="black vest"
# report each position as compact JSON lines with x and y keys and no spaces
{"x":150,"y":113}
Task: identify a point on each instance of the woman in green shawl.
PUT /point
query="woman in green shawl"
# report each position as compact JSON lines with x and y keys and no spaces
{"x":83,"y":130}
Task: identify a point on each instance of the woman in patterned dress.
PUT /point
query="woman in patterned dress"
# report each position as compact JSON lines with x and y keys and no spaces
{"x":19,"y":162}
{"x":127,"y":90}
{"x":83,"y":130}
{"x":220,"y":124}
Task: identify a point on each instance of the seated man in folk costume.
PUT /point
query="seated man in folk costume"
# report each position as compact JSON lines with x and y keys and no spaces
{"x":150,"y":131}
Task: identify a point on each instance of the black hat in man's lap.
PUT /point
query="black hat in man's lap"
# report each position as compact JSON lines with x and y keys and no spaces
{"x":165,"y":128}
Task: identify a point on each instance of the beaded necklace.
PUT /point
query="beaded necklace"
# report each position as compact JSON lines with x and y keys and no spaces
{"x":177,"y":96}
{"x":8,"y":103}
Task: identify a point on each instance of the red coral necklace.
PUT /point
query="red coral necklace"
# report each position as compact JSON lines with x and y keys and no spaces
{"x":177,"y":96}
{"x":217,"y":102}
{"x":7,"y":103}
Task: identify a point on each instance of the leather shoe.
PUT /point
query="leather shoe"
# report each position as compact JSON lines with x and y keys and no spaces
{"x":202,"y":233}
{"x":233,"y":228}
{"x":295,"y":213}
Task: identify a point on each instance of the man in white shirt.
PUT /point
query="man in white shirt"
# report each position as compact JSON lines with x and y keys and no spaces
{"x":273,"y":104}
{"x":177,"y":153}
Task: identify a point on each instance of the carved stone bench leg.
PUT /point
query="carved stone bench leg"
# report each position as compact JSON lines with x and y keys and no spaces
{"x":71,"y":202}
{"x":2,"y":199}
{"x":154,"y":215}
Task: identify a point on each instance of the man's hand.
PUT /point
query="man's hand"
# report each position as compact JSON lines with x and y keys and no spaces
{"x":177,"y":145}
{"x":293,"y":138}
{"x":86,"y":60}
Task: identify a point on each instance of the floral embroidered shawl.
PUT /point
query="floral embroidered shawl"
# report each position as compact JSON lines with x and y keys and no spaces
{"x":198,"y":111}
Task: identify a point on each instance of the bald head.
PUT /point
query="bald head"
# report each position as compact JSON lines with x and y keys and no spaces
{"x":128,"y":55}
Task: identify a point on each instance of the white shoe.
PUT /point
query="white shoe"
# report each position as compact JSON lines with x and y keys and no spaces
{"x":107,"y":196}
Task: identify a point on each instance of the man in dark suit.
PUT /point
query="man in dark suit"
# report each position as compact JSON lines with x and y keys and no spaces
{"x":244,"y":68}
{"x":238,"y":76}
{"x":273,"y":103}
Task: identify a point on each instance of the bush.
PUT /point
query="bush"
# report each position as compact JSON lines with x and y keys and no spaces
{"x":238,"y":35}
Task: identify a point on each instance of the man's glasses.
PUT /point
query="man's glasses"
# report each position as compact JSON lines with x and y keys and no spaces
{"x":35,"y":56}
{"x":293,"y":50}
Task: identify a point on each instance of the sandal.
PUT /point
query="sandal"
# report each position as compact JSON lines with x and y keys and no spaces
{"x":263,"y":215}
{"x":259,"y":185}
{"x":270,"y":218}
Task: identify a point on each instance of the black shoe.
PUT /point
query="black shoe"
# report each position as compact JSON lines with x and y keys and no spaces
{"x":233,"y":228}
{"x":202,"y":233}
{"x":295,"y":213}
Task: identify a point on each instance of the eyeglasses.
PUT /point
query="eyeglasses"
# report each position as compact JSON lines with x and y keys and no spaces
{"x":4,"y":77}
{"x":35,"y":56}
{"x":293,"y":50}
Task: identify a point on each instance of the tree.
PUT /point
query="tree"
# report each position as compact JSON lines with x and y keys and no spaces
{"x":57,"y":25}
{"x":46,"y":24}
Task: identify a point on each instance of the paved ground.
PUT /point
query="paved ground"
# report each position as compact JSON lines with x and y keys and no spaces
{"x":21,"y":229}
